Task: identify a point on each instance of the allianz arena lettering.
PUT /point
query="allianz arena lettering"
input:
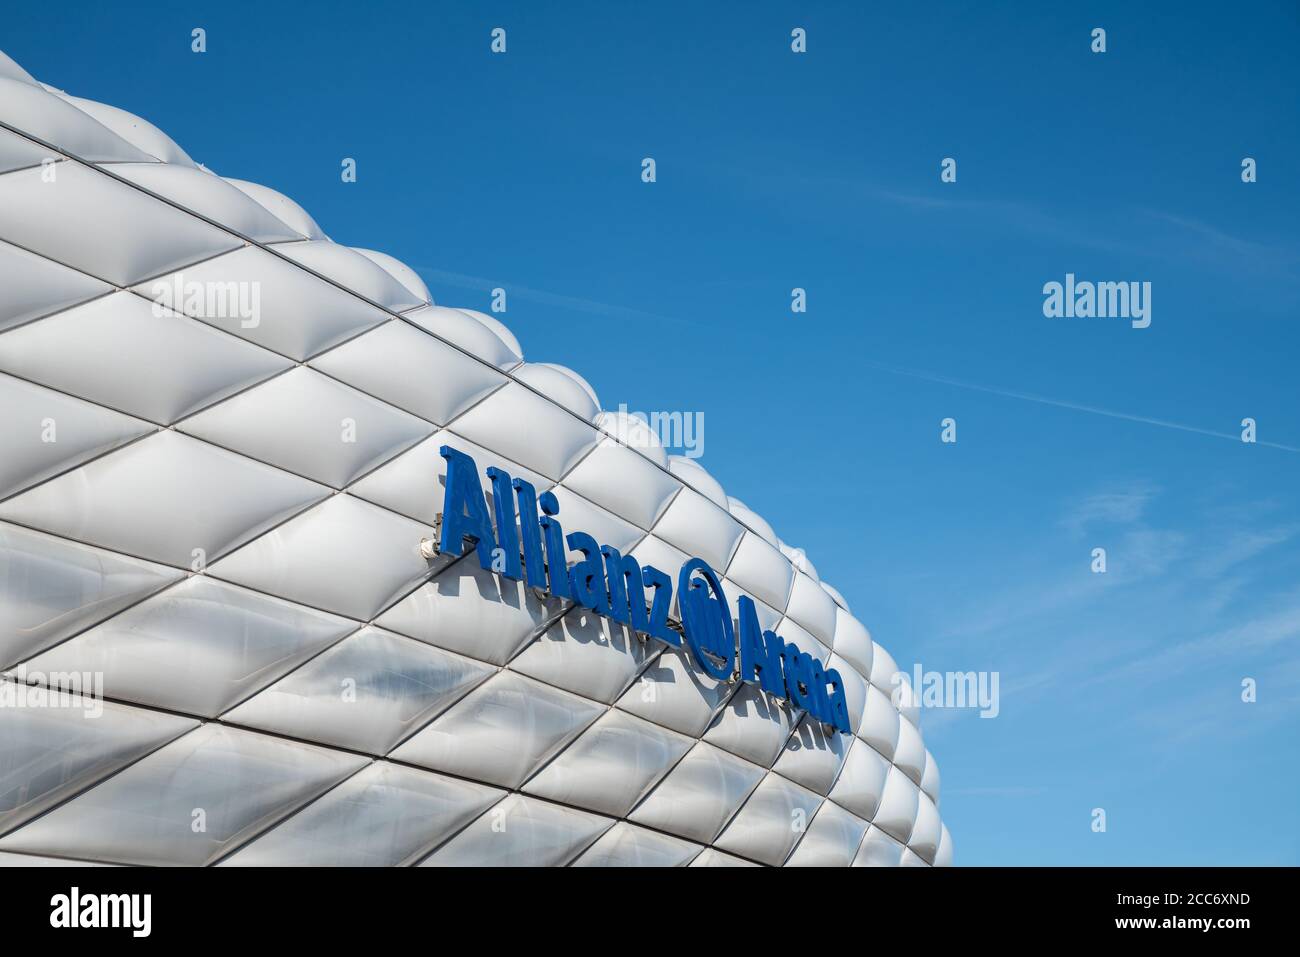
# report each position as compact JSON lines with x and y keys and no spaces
{"x":613,"y":586}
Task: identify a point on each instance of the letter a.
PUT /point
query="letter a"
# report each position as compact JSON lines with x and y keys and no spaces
{"x":464,"y":509}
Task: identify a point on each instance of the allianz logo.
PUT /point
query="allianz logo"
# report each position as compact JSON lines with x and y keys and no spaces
{"x":532,"y":547}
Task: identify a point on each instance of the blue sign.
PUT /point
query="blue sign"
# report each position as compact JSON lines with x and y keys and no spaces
{"x":534,"y":549}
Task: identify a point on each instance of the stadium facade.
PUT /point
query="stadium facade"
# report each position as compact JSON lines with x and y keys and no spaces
{"x":275,"y":583}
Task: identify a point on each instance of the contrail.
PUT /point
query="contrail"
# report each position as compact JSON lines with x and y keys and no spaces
{"x":574,"y":303}
{"x":605,"y":309}
{"x":1062,"y":404}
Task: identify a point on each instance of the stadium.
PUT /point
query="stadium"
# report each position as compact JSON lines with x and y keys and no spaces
{"x":224,"y":463}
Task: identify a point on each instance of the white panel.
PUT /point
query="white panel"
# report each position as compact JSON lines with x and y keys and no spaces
{"x":654,"y":552}
{"x":48,"y":754}
{"x":944,"y":857}
{"x":19,"y":153}
{"x":242,"y":782}
{"x":579,"y":515}
{"x":411,"y":369}
{"x":626,"y":845}
{"x":878,"y":850}
{"x":711,"y":857}
{"x":35,"y":286}
{"x":911,"y":705}
{"x":501,"y":331}
{"x":365,"y":693}
{"x":927,"y":832}
{"x":812,"y":608}
{"x":771,"y":822}
{"x":353,"y":271}
{"x":163,"y":365}
{"x":813,"y":757}
{"x":769,"y":619}
{"x":624,"y":482}
{"x":909,"y":756}
{"x":698,"y":478}
{"x":907,"y":700}
{"x":77,"y":220}
{"x":853,"y":643}
{"x":140,"y":133}
{"x":700,"y":794}
{"x":531,"y":833}
{"x":883,"y":670}
{"x":471,"y":611}
{"x":528,"y":429}
{"x":880,"y":722}
{"x":862,"y":781}
{"x":586,"y":654}
{"x":832,"y":840}
{"x":674,"y":692}
{"x":198,"y":647}
{"x":43,"y":432}
{"x":760,"y":568}
{"x":700,"y":529}
{"x":898,"y":806}
{"x":800,"y":560}
{"x":836,"y":596}
{"x":163,"y":497}
{"x":463,"y":330}
{"x":51,"y":588}
{"x":855,"y":690}
{"x":383,"y":816}
{"x":562,"y":386}
{"x":632,"y":430}
{"x":403,"y":273}
{"x":930,"y":779}
{"x":337,"y":433}
{"x":795,"y":634}
{"x":753,"y":725}
{"x":12,"y":71}
{"x":747,"y":516}
{"x":345,"y":555}
{"x":501,"y":731}
{"x":298,"y":314}
{"x":281,"y":207}
{"x":611,"y":765}
{"x":33,"y":860}
{"x":415,"y":482}
{"x":47,"y":117}
{"x":209,"y":196}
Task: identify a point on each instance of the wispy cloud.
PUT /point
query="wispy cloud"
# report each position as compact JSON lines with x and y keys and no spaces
{"x":1242,"y":546}
{"x":1211,"y":243}
{"x":1126,"y":230}
{"x":572,"y":303}
{"x":1260,"y":634}
{"x":1118,"y":507}
{"x":1066,"y":404}
{"x":1164,"y":618}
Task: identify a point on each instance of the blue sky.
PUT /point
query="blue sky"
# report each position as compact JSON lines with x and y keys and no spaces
{"x":1119,"y":691}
